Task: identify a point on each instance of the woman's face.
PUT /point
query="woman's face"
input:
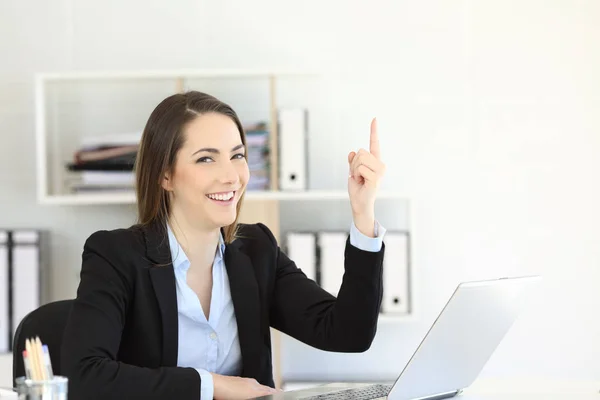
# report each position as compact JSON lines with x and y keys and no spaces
{"x":210,"y":172}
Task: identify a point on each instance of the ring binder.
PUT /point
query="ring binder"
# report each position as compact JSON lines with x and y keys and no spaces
{"x":24,"y":276}
{"x":5,"y":326}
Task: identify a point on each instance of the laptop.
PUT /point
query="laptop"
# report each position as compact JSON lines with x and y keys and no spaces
{"x":453,"y":352}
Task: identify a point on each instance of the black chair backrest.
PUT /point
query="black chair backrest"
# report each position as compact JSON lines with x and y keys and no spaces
{"x":48,"y":322}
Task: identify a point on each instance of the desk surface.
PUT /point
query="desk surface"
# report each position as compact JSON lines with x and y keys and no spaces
{"x":528,"y":396}
{"x":494,"y":391}
{"x":7,"y":394}
{"x":531,"y":388}
{"x":482,"y":393}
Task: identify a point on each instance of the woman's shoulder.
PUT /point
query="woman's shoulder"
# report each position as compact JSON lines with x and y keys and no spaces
{"x":113,"y":256}
{"x":116,"y":244}
{"x":255,"y":240}
{"x":255,"y":233}
{"x":131,"y":236}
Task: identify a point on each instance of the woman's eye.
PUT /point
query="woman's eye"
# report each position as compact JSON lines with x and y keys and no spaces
{"x":204,"y":160}
{"x":239,"y":155}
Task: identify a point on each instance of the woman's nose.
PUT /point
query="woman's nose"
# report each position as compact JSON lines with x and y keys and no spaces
{"x":229,"y":173}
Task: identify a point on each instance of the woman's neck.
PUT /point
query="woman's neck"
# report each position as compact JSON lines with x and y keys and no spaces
{"x":198,"y":243}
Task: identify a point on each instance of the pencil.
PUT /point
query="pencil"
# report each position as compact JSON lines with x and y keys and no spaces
{"x":31,"y":359}
{"x":36,"y":360}
{"x":47,"y":362}
{"x":40,"y":358}
{"x":27,"y":365}
{"x":36,"y":354}
{"x":31,"y":347}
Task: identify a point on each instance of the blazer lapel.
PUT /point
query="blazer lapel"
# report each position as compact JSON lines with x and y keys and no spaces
{"x":162,"y":276}
{"x":246,"y":303}
{"x":244,"y":294}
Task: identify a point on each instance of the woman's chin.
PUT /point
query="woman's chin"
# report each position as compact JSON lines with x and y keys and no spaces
{"x":224,"y":221}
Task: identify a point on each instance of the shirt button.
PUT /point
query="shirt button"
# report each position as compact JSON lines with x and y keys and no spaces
{"x":213,"y":335}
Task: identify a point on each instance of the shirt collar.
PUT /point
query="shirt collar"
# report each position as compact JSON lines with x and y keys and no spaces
{"x":180,"y":259}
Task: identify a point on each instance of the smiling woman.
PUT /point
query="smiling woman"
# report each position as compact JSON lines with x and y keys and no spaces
{"x":180,"y":305}
{"x":193,"y":147}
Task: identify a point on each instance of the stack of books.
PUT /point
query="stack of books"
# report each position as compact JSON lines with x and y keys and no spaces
{"x":104,"y":164}
{"x":257,"y":141}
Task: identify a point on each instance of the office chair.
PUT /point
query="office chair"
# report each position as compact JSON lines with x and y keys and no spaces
{"x":48,"y":322}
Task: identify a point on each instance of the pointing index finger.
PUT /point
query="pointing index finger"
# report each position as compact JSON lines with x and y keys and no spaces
{"x":374,"y":143}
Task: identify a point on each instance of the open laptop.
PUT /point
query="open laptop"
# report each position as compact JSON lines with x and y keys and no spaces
{"x":452,"y":353}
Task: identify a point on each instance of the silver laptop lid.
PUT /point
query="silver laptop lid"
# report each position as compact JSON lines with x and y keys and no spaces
{"x":463,"y":337}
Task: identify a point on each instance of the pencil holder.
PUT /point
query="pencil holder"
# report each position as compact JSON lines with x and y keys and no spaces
{"x":52,"y":389}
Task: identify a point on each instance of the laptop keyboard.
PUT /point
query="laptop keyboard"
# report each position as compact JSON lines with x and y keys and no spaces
{"x":362,"y":393}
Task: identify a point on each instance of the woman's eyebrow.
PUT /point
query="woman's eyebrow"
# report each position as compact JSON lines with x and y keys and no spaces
{"x":216,"y":151}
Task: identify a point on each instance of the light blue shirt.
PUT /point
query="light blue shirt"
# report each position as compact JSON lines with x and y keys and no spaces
{"x":213,"y":345}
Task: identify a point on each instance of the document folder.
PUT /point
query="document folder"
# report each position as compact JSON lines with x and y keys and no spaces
{"x":293,"y":149}
{"x":4,"y":293}
{"x":26,"y":274}
{"x":396,"y":273}
{"x":331,"y":248}
{"x":301,"y":248}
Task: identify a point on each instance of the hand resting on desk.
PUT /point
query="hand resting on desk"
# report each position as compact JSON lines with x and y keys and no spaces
{"x":235,"y":387}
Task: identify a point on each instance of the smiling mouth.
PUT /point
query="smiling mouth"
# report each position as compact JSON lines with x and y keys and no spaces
{"x":222,"y":197}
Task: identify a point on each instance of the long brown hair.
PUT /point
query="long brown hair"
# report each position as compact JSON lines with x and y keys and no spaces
{"x":161,"y":140}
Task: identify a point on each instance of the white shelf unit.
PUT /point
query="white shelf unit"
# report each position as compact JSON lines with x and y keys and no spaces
{"x":134,"y":95}
{"x":250,"y":196}
{"x":52,"y":154}
{"x":57,"y":135}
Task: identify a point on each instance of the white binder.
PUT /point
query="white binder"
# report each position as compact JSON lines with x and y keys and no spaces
{"x":396,"y":274}
{"x":332,"y":246}
{"x":26,"y":274}
{"x":301,"y":248}
{"x":4,"y":294}
{"x":293,"y":149}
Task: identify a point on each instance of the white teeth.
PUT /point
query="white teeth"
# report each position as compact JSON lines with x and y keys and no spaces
{"x":220,"y":196}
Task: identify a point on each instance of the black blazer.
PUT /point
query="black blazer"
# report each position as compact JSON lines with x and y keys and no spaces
{"x":121,"y":338}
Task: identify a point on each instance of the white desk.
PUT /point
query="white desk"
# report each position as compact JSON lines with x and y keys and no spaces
{"x":498,"y":390}
{"x":525,"y":389}
{"x":520,"y":389}
{"x":465,"y":396}
{"x":516,"y":395}
{"x":6,"y":370}
{"x":527,"y":396}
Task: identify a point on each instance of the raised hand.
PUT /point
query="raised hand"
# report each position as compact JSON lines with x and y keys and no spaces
{"x":366,"y":171}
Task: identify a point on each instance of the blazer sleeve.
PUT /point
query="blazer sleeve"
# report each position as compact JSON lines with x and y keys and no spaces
{"x":93,"y":335}
{"x":307,"y":312}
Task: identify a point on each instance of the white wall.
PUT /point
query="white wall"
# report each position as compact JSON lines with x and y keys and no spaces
{"x":488,"y":118}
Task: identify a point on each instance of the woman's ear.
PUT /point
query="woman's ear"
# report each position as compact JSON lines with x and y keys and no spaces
{"x":166,"y":182}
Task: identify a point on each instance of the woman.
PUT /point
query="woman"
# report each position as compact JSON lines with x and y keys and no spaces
{"x":179,"y":305}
